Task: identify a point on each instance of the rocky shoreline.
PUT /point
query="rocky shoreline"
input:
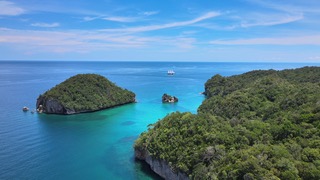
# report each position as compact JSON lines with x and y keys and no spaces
{"x":161,"y":167}
{"x":52,"y":106}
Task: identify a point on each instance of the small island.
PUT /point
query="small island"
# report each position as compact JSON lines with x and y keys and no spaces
{"x":83,"y":93}
{"x":169,"y":99}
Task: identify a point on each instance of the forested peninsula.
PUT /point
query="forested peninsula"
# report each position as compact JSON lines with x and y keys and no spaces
{"x":83,"y":93}
{"x":264,"y":124}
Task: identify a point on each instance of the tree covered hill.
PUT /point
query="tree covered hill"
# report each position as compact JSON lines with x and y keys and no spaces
{"x":84,"y":93}
{"x":258,"y":125}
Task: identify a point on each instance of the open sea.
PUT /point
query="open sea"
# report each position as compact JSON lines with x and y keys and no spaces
{"x":96,"y":145}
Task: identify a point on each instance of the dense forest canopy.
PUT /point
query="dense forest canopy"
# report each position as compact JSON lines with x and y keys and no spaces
{"x":88,"y":92}
{"x":263,"y":124}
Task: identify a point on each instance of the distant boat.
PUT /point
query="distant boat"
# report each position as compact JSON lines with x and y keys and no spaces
{"x":25,"y":108}
{"x":170,"y":72}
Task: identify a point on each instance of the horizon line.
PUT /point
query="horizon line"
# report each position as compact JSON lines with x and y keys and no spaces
{"x":151,"y":61}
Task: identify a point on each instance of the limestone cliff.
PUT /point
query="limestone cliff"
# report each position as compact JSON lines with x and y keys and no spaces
{"x":161,"y":167}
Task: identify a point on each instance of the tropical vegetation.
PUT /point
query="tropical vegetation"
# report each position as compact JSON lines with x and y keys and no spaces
{"x":262,"y":124}
{"x":88,"y":92}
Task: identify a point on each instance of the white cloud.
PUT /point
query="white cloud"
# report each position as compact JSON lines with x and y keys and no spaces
{"x":80,"y":41}
{"x":234,"y":21}
{"x":87,"y":18}
{"x":8,"y":8}
{"x":299,"y":40}
{"x":149,"y":13}
{"x":206,"y":16}
{"x":271,"y":20}
{"x":119,"y":19}
{"x":314,"y":58}
{"x":290,"y":6}
{"x":111,"y":18}
{"x":46,"y":25}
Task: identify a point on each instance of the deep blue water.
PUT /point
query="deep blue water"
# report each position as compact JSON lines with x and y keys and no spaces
{"x":94,"y":145}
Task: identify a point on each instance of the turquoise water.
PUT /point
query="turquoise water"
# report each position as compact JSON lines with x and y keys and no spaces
{"x":94,"y":145}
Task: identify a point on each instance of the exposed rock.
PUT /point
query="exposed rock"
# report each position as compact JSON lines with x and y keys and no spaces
{"x":40,"y":107}
{"x":169,"y":99}
{"x":53,"y":106}
{"x":161,"y":167}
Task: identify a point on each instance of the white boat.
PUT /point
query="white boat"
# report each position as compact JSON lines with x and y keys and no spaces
{"x":25,"y":108}
{"x":170,"y":72}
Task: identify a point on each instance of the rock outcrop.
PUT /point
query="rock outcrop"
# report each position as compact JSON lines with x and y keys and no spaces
{"x":169,"y":99}
{"x":161,"y":167}
{"x":83,"y":93}
{"x":53,"y":106}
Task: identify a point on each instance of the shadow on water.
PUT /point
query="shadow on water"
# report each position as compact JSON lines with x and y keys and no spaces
{"x":88,"y":116}
{"x":128,"y":123}
{"x":75,"y":117}
{"x":118,"y":160}
{"x":128,"y":139}
{"x":145,"y":168}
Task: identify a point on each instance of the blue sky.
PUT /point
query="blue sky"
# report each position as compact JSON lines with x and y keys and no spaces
{"x":166,"y":30}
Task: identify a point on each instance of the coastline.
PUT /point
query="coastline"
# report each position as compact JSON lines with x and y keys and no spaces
{"x":160,"y":167}
{"x":103,"y":139}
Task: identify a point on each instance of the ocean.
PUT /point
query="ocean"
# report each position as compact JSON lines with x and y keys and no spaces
{"x":96,"y":145}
